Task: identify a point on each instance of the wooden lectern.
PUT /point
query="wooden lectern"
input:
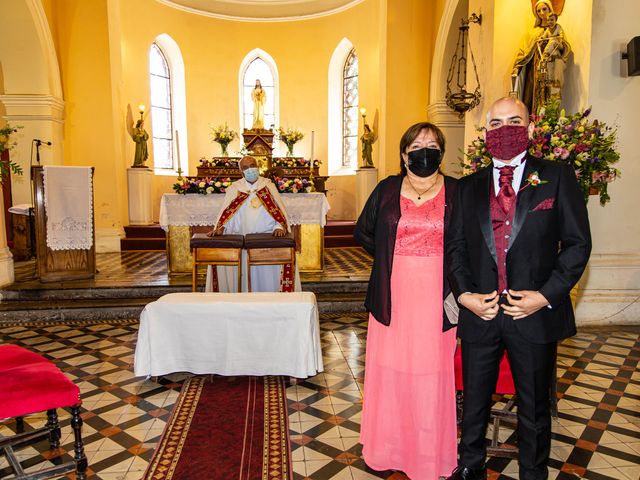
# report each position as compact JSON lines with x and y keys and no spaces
{"x":58,"y":265}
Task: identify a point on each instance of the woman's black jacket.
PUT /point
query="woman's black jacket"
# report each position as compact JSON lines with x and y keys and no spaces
{"x":376,"y":232}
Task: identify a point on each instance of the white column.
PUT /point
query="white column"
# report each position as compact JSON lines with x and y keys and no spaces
{"x":140,"y":183}
{"x":6,"y":258}
{"x":453,"y":128}
{"x":41,"y":117}
{"x":366,"y":181}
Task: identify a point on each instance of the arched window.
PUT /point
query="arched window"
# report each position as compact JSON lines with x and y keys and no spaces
{"x":258,"y":70}
{"x":161,"y":109}
{"x":258,"y":65}
{"x":343,"y":110}
{"x":350,"y":111}
{"x":168,"y":106}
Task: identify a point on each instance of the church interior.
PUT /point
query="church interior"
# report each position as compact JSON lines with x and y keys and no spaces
{"x":150,"y":104}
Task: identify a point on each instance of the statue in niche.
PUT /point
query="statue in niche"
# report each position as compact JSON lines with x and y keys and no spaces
{"x":259,"y":97}
{"x":140,"y":137}
{"x":538,"y":70}
{"x":367,"y":139}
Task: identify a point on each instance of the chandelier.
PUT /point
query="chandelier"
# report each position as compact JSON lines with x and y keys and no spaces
{"x":461,"y":100}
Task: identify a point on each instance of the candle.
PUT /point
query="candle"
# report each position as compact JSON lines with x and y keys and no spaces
{"x":363,"y":112}
{"x":178,"y":148}
{"x":141,"y":107}
{"x":312,"y":138}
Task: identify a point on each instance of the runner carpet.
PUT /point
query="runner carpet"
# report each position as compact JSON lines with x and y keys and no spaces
{"x":225,"y":428}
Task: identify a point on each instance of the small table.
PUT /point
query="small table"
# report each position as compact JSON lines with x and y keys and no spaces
{"x":230,"y":334}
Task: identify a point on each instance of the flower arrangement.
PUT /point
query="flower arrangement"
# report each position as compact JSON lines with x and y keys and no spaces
{"x":292,"y":162}
{"x":589,"y":146}
{"x":223,"y":135}
{"x":5,"y":144}
{"x":219,"y":162}
{"x":289,"y":137}
{"x":294,"y":185}
{"x":202,"y":186}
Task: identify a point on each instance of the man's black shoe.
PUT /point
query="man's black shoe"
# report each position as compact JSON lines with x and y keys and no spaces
{"x":466,"y":473}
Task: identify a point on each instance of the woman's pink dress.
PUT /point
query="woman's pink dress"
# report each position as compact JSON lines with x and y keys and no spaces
{"x":409,"y":412}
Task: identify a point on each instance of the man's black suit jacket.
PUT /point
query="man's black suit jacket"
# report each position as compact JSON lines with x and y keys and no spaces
{"x":549,"y":247}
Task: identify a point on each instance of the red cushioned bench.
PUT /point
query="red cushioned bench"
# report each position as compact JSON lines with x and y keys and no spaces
{"x":31,"y":384}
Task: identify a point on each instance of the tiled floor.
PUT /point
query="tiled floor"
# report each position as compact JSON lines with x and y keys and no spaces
{"x":596,"y":434}
{"x":140,"y":268}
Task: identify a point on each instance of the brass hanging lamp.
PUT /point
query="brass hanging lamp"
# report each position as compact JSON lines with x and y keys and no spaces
{"x":461,"y":101}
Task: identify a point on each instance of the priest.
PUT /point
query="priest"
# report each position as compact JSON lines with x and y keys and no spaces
{"x":252,"y":205}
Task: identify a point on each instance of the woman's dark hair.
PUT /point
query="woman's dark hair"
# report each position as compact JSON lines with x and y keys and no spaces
{"x":411,"y":134}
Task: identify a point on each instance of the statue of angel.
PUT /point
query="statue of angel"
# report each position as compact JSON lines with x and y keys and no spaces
{"x":140,"y":137}
{"x":367,"y":139}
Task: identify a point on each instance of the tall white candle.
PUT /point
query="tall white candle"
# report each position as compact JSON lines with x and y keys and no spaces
{"x":177,"y":148}
{"x":312,"y":138}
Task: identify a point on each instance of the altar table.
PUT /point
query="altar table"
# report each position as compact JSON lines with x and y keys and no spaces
{"x":230,"y":334}
{"x":178,"y":213}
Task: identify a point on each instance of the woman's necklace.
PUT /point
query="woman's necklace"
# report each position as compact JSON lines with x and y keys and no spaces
{"x":421,"y":193}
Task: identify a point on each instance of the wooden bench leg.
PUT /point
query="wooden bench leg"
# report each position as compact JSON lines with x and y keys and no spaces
{"x":194,"y":272}
{"x":78,"y":446}
{"x":54,"y":428}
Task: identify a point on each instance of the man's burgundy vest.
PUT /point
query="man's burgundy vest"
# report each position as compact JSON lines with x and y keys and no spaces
{"x":502,"y":224}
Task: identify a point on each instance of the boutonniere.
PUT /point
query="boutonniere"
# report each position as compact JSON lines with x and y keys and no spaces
{"x":533,"y":180}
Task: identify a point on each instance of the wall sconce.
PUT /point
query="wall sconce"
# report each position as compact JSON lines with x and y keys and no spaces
{"x":461,"y":100}
{"x":632,"y":56}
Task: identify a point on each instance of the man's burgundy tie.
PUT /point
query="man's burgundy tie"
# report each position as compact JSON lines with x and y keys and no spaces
{"x":506,"y":194}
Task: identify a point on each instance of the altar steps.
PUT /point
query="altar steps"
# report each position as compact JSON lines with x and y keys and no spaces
{"x":66,"y":304}
{"x":143,"y":237}
{"x":339,"y":233}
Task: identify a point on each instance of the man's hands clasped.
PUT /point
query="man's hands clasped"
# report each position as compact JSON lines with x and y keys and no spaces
{"x":521,"y":303}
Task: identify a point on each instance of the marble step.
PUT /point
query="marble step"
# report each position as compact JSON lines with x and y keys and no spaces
{"x":96,"y":308}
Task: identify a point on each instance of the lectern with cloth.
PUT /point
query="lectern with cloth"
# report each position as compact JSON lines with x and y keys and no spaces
{"x":65,"y":233}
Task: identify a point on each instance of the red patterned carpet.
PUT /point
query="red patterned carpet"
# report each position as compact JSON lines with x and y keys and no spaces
{"x":226,"y":427}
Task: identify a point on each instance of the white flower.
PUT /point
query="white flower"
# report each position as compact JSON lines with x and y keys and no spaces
{"x":218,"y":184}
{"x":209,"y":189}
{"x":202,"y":185}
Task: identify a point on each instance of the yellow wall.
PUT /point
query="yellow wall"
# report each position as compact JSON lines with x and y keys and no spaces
{"x":103,"y":53}
{"x":411,"y":27}
{"x":82,"y":38}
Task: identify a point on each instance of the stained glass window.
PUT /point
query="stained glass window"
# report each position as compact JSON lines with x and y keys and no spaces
{"x":161,"y":109}
{"x":350,"y":111}
{"x":258,"y":70}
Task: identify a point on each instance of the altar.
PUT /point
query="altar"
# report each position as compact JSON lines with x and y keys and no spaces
{"x":180,"y":213}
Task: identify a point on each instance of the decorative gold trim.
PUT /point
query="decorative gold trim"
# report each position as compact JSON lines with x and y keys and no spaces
{"x":275,"y":463}
{"x":172,"y":442}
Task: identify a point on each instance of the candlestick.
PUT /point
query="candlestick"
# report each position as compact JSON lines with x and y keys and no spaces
{"x":313,"y":133}
{"x":178,"y":151}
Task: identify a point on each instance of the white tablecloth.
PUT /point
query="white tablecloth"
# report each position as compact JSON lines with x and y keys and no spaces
{"x":194,"y":209}
{"x":230,"y":334}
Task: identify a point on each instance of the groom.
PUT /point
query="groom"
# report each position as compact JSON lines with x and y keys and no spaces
{"x":518,"y":242}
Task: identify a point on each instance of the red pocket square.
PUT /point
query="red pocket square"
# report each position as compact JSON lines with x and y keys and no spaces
{"x":546,"y":204}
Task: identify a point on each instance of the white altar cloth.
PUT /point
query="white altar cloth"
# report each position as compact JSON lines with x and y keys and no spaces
{"x":230,"y":334}
{"x":195,"y":209}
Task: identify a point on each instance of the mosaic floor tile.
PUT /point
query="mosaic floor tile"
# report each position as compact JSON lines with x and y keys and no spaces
{"x":595,"y":435}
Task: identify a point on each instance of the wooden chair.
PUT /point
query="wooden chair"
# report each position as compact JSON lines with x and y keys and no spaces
{"x":265,"y":249}
{"x":224,"y":250}
{"x":504,"y":416}
{"x":499,"y":417}
{"x":31,"y":384}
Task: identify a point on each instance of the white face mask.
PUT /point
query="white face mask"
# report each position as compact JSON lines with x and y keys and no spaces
{"x":251,"y":174}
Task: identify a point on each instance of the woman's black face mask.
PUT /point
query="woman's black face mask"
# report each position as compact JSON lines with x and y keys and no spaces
{"x":424,"y":162}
